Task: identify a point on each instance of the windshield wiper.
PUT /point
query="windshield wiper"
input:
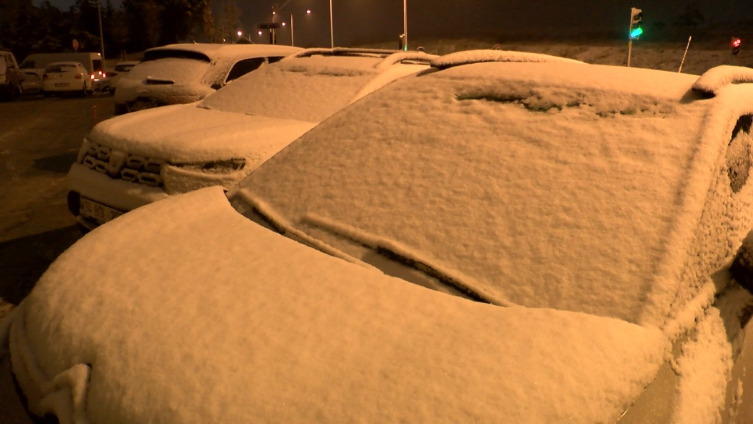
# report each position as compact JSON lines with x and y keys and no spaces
{"x":403,"y":255}
{"x":280,"y":225}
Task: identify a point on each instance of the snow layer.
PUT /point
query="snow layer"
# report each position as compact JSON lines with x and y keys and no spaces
{"x":207,"y":317}
{"x":586,"y":188}
{"x":717,"y":78}
{"x":704,"y":369}
{"x":476,"y":56}
{"x":186,"y":133}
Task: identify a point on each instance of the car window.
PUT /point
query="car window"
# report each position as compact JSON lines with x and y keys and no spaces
{"x":97,"y":64}
{"x":28,"y":64}
{"x":275,"y":59}
{"x":739,"y":152}
{"x":174,"y":54}
{"x":31,"y":77}
{"x":242,"y":67}
{"x":62,"y":68}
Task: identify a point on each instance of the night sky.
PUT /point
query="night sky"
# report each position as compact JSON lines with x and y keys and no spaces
{"x":362,"y":21}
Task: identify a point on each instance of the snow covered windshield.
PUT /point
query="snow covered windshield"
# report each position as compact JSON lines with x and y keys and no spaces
{"x":547,"y":193}
{"x":306,"y":89}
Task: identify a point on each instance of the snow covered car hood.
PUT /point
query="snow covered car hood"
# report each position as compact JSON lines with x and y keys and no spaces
{"x":186,"y":133}
{"x":224,"y":321}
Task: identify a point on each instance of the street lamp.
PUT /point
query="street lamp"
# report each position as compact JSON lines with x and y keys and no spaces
{"x":292,"y":27}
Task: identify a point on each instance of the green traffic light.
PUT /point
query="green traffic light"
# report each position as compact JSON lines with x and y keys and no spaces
{"x":636,"y":32}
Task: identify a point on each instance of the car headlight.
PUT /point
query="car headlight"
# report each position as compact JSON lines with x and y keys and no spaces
{"x":214,"y":167}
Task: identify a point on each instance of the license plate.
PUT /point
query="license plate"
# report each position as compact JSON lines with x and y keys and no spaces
{"x":61,"y":84}
{"x":98,"y":211}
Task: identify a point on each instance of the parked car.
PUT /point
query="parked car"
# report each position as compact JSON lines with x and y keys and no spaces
{"x":185,"y":73}
{"x":121,"y":69}
{"x":92,"y":62}
{"x":135,"y":159}
{"x":10,"y":77}
{"x":66,"y":78}
{"x":32,"y":82}
{"x":530,"y":241}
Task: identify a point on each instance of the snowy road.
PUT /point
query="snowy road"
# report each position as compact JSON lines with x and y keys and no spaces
{"x":39,"y":139}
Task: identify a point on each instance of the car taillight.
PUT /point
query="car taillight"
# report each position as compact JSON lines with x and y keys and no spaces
{"x":104,"y":75}
{"x":92,"y":76}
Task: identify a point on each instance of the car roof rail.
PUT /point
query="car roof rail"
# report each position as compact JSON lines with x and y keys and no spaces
{"x":492,"y":55}
{"x":718,"y":77}
{"x":411,"y":57}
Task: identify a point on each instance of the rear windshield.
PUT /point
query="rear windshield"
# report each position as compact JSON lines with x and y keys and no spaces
{"x":177,"y":70}
{"x":60,"y":68}
{"x":175,"y":54}
{"x":306,"y":89}
{"x":27,"y":64}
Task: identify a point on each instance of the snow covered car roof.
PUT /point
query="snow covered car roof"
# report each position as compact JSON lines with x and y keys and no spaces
{"x":531,"y":183}
{"x":476,"y":56}
{"x":225,"y":51}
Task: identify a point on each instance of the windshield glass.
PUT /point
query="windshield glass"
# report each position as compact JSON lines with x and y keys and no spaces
{"x":544,"y":194}
{"x":61,"y":68}
{"x":307,"y":89}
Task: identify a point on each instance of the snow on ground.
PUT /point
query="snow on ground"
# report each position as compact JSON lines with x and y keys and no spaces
{"x":263,"y":329}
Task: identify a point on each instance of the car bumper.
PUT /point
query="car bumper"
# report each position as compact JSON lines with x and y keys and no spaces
{"x":71,"y":86}
{"x":120,"y":195}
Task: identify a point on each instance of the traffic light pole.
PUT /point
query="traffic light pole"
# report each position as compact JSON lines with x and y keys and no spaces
{"x":630,"y":51}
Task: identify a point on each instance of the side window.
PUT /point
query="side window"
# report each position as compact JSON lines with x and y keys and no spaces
{"x":242,"y":67}
{"x":739,"y":153}
{"x":275,"y":59}
{"x":97,"y":64}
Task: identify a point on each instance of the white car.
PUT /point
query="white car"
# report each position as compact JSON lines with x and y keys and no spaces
{"x":66,"y":78}
{"x":534,"y":241}
{"x":121,"y":69}
{"x":134,"y":159}
{"x":185,"y":73}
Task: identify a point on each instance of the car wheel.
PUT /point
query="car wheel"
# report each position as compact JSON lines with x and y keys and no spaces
{"x":18,"y":92}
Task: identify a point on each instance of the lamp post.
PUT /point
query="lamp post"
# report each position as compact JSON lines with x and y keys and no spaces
{"x":331,"y":30}
{"x":405,"y":24}
{"x":101,"y":37}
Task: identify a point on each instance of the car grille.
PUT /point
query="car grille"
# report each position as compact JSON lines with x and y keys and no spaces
{"x":123,"y":166}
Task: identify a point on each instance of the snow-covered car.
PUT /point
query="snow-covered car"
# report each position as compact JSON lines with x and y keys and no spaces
{"x":134,"y":159}
{"x":185,"y":73}
{"x":66,"y":78}
{"x":121,"y":69}
{"x":510,"y":238}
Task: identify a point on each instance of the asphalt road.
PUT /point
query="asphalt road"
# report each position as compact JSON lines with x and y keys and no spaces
{"x":39,"y":140}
